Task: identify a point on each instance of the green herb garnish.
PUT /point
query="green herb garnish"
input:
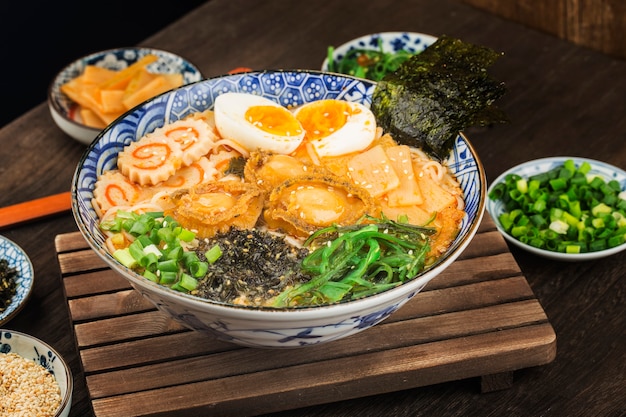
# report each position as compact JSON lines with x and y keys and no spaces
{"x":355,"y":261}
{"x":372,"y":64}
{"x":563,"y":210}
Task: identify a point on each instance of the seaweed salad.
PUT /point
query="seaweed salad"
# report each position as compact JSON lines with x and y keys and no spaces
{"x":436,"y":94}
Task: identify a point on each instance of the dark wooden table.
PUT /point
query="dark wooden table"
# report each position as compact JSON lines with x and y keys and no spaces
{"x":561,"y":99}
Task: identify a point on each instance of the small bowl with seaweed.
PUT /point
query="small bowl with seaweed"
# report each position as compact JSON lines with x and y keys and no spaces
{"x":16,"y":279}
{"x":375,"y":55}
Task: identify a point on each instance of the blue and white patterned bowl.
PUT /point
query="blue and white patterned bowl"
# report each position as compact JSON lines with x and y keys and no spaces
{"x":17,"y":259}
{"x":262,"y":327}
{"x":496,"y":207}
{"x":62,"y":108}
{"x":31,"y":348}
{"x":391,"y":42}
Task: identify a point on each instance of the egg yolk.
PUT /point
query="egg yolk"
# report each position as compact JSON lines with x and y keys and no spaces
{"x":324,"y":117}
{"x":274,"y":120}
{"x":318,"y":206}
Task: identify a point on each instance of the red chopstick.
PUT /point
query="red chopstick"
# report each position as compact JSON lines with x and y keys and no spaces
{"x":35,"y":209}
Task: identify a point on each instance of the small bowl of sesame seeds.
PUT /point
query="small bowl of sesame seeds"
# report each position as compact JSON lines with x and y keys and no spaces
{"x":35,"y":380}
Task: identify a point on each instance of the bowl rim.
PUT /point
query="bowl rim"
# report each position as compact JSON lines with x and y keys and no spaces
{"x":66,"y":399}
{"x":11,"y":311}
{"x":51,"y":86}
{"x":492,"y":208}
{"x":301,"y":311}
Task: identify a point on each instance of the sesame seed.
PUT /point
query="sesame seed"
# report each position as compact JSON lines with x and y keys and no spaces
{"x":27,"y":388}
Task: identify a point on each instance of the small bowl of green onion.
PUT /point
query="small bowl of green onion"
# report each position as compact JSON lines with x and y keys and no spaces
{"x":375,"y":55}
{"x":562,"y":208}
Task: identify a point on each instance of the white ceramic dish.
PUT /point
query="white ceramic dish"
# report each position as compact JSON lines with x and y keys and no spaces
{"x":391,"y":42}
{"x":250,"y":326}
{"x":31,"y":348}
{"x":18,"y":260}
{"x":527,"y":169}
{"x":62,"y":108}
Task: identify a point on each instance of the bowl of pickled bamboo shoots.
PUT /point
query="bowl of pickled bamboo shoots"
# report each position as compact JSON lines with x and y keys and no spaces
{"x":94,"y":90}
{"x":272,"y":209}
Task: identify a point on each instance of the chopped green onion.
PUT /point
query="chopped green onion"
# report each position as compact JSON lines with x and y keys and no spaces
{"x":186,"y":283}
{"x":156,"y":252}
{"x":213,"y":254}
{"x":565,"y":209}
{"x":124,"y":257}
{"x":167,"y":277}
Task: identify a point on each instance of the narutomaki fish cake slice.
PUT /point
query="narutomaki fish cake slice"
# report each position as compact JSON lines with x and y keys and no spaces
{"x":150,"y":160}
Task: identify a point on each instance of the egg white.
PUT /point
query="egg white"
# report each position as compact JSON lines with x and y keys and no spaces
{"x":230,"y":120}
{"x":358,"y":132}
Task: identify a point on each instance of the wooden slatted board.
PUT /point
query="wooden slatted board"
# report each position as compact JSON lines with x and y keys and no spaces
{"x":479,"y":318}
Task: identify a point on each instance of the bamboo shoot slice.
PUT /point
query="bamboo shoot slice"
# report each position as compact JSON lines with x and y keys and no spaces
{"x":408,"y":192}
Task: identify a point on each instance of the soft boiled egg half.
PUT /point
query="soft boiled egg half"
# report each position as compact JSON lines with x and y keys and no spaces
{"x":257,"y":122}
{"x":332,"y":127}
{"x":337,"y":127}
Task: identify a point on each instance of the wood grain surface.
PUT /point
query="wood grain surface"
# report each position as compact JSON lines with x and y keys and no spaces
{"x":597,"y":24}
{"x":562,"y":99}
{"x":478,"y":318}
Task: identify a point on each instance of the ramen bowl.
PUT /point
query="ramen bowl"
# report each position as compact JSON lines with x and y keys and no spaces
{"x":263,"y":326}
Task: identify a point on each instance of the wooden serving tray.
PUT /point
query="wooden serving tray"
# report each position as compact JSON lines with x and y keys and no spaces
{"x":479,"y":318}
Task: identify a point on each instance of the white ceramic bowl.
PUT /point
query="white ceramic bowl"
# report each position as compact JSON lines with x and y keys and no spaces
{"x":263,"y":327}
{"x":390,"y":42}
{"x":16,"y":259}
{"x":31,"y":348}
{"x":62,"y":108}
{"x":538,"y":166}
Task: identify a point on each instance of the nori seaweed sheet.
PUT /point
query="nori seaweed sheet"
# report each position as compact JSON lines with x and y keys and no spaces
{"x":437,"y":94}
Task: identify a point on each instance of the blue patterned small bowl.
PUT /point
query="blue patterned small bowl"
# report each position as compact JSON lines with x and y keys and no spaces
{"x":17,"y":259}
{"x":391,"y":42}
{"x":62,"y":108}
{"x":31,"y":348}
{"x":250,"y":326}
